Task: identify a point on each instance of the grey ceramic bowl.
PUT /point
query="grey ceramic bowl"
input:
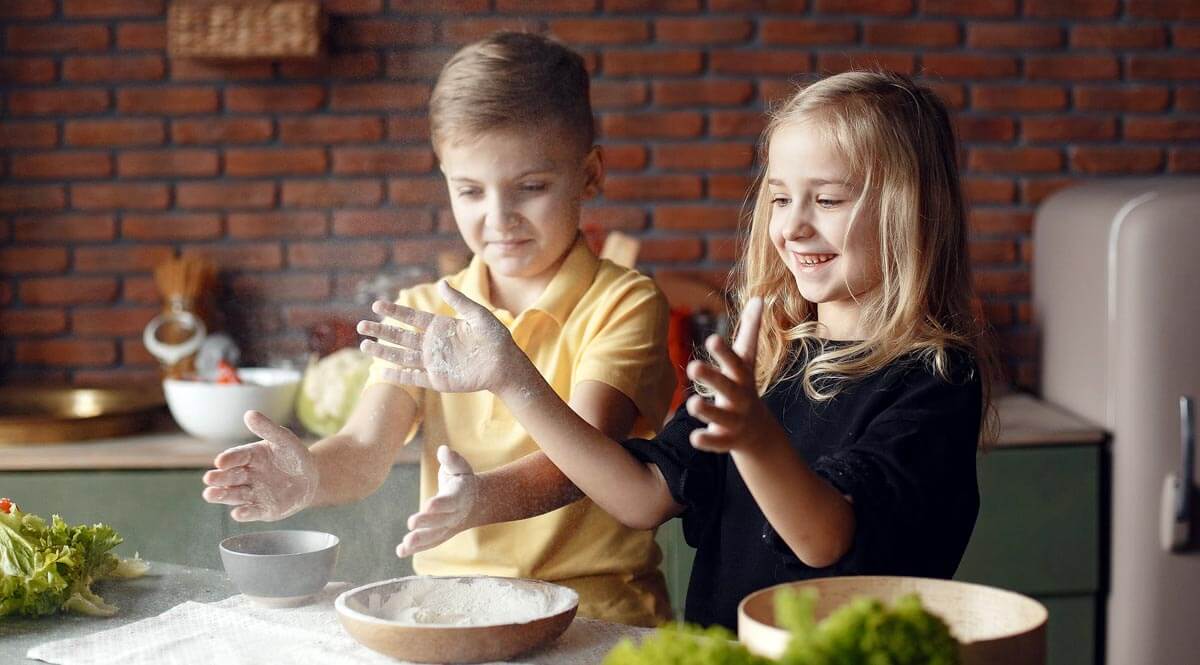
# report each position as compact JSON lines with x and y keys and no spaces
{"x":280,"y":568}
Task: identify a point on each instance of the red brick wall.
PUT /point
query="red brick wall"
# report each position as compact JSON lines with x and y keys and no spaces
{"x":300,"y":179}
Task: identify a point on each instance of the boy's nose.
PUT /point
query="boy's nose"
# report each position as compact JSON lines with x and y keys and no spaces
{"x":500,"y":213}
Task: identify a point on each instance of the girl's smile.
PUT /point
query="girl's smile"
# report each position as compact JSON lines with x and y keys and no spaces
{"x":812,"y":262}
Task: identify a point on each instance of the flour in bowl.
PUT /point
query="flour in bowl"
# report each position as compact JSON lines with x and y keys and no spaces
{"x":467,"y":601}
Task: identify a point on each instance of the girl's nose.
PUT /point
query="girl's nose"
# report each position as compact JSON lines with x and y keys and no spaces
{"x":799,"y":226}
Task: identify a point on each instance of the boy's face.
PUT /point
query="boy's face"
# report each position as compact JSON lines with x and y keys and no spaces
{"x":831,"y":259}
{"x":516,"y":196}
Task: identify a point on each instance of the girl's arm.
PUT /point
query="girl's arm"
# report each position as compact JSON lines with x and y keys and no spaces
{"x":476,"y":352}
{"x":633,"y":492}
{"x":534,"y":485}
{"x":810,"y":515}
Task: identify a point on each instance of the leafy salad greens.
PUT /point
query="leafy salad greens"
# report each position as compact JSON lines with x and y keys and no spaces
{"x":45,"y":568}
{"x":861,"y":632}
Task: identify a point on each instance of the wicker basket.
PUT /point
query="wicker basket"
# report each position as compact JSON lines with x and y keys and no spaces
{"x":239,"y":29}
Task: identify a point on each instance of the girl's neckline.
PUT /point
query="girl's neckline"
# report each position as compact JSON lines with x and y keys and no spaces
{"x":839,"y":342}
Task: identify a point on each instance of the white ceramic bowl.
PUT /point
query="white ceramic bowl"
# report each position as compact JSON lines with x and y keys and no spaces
{"x":280,"y":568}
{"x":210,"y":410}
{"x":373,"y":615}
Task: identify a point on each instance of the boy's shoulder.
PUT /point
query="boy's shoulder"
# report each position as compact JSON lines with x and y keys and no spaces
{"x":613,"y":284}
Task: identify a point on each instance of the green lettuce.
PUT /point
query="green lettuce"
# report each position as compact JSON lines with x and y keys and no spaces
{"x":861,"y":632}
{"x":684,"y":644}
{"x":864,"y":631}
{"x":46,"y":568}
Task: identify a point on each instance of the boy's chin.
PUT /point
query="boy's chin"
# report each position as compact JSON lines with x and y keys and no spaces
{"x":515,"y":267}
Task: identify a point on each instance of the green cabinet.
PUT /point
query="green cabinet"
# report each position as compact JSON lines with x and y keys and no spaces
{"x":1039,"y":533}
{"x":162,"y":517}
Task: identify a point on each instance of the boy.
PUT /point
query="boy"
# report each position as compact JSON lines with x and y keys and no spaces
{"x":513,"y":129}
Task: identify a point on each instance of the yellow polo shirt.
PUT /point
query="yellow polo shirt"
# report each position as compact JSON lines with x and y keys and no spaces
{"x":595,"y":321}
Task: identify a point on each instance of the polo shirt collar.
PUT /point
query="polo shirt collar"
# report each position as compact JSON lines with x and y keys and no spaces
{"x":560,"y":296}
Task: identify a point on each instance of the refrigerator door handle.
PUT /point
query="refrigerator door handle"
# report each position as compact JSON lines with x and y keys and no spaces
{"x":1179,"y":493}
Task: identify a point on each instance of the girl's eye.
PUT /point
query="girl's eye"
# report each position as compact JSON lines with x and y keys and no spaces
{"x":468,"y":192}
{"x":780,"y":201}
{"x":827,"y":202}
{"x":533,"y":187}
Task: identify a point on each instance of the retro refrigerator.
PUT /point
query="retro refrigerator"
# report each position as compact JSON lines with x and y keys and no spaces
{"x":1116,"y":293}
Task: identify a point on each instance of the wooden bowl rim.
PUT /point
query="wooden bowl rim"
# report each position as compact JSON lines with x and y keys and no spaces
{"x":341,"y":608}
{"x":1039,"y":613}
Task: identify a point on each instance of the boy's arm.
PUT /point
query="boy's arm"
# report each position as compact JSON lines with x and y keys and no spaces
{"x":278,"y":476}
{"x":356,"y":461}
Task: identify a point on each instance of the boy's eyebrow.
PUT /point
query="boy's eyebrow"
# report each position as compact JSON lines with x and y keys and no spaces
{"x":537,"y":171}
{"x":816,"y":181}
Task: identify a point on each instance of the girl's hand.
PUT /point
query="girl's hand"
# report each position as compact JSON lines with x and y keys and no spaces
{"x":475,"y":352}
{"x":264,"y":481}
{"x":737,"y":417}
{"x":449,"y":511}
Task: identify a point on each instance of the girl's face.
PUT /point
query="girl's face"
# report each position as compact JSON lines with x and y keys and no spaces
{"x":832,"y":260}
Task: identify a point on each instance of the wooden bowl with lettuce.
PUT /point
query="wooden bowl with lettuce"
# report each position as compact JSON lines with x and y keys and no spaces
{"x":839,"y":620}
{"x":988,"y":626}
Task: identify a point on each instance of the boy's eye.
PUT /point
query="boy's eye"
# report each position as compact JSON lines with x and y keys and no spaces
{"x":533,"y":187}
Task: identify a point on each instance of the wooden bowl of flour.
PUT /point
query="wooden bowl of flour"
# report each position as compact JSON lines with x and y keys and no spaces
{"x":470,"y":619}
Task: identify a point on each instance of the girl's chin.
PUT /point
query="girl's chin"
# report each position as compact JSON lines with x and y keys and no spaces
{"x":813,"y":292}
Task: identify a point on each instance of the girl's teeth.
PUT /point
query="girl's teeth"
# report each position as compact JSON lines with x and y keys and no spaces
{"x":814,"y":260}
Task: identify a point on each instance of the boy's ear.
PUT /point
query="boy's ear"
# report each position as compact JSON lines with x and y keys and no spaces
{"x":593,"y":169}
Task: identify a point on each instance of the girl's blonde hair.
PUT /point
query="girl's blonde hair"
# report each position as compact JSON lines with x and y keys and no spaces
{"x":897,"y":139}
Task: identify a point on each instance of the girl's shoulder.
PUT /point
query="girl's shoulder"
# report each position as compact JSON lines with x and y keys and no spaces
{"x":951,"y":363}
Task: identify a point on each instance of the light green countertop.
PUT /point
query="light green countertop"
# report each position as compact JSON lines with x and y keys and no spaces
{"x":1024,"y":421}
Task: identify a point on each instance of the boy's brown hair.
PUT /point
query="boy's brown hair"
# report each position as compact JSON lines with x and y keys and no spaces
{"x":512,"y":80}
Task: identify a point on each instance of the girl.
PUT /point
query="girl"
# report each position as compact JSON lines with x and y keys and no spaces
{"x":837,"y":435}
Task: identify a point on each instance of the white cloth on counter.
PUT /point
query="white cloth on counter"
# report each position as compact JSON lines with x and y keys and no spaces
{"x":235,"y":631}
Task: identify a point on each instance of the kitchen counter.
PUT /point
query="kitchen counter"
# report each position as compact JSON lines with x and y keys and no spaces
{"x":585,"y":642}
{"x":168,"y":449}
{"x":165,"y":586}
{"x":1024,"y":421}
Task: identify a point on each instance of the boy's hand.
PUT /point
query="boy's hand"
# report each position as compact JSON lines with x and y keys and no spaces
{"x":447,"y":513}
{"x":737,"y":417}
{"x":264,"y":481}
{"x":475,"y":352}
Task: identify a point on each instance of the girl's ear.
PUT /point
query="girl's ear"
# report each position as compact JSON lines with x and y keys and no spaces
{"x":593,"y":169}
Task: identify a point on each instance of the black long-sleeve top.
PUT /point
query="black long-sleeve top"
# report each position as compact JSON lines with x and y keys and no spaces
{"x":901,"y":442}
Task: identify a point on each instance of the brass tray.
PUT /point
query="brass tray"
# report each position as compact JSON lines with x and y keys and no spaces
{"x":31,"y":414}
